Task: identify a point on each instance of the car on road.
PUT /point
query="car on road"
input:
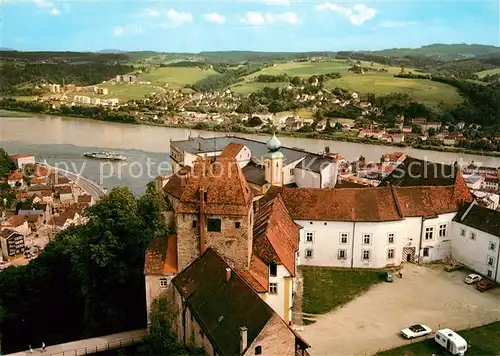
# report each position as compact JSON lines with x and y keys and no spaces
{"x":472,"y":278}
{"x":484,"y":285}
{"x":388,"y":276}
{"x":416,"y":330}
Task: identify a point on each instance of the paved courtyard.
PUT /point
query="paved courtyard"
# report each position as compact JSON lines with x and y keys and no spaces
{"x":425,"y":295}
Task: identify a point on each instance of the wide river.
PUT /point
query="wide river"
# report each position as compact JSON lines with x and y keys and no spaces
{"x":62,"y":141}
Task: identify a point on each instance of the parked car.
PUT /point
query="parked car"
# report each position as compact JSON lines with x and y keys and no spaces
{"x":416,"y":330}
{"x":472,"y":278}
{"x":388,"y":276}
{"x":484,"y":285}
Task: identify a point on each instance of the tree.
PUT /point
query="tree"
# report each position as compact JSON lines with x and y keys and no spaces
{"x":431,"y":132}
{"x":6,"y":164}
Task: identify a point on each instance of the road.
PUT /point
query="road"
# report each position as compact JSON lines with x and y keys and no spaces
{"x":89,"y":346}
{"x":85,"y":184}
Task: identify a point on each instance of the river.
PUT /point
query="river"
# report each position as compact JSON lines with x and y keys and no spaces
{"x":63,"y":140}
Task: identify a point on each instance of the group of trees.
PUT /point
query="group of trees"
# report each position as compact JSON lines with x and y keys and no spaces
{"x":226,"y":78}
{"x":15,"y":75}
{"x":89,"y":281}
{"x":94,"y":112}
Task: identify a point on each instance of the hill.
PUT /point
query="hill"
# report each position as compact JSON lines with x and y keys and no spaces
{"x":441,"y":51}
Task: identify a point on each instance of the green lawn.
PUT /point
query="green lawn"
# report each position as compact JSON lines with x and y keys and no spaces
{"x":424,"y":91}
{"x":328,"y":288}
{"x":175,"y":76}
{"x":484,"y":73}
{"x":484,"y":340}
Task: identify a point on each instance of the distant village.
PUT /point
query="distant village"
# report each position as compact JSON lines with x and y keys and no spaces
{"x":46,"y":203}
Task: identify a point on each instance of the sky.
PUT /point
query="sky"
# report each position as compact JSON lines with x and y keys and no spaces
{"x":260,"y":25}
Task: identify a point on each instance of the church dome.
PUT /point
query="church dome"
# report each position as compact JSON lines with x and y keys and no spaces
{"x":273,"y":144}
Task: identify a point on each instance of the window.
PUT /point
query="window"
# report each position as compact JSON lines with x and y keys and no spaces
{"x":163,"y":282}
{"x":258,"y":350}
{"x":391,"y":238}
{"x":489,"y":273}
{"x":365,"y":256}
{"x":194,"y":223}
{"x":426,"y":252}
{"x":442,"y":230}
{"x":491,"y":261}
{"x":342,"y":254}
{"x":493,"y":246}
{"x":213,"y":225}
{"x":429,"y":233}
{"x":310,"y":222}
{"x":237,"y":224}
{"x":472,"y":235}
{"x":273,"y":270}
{"x":273,"y":288}
{"x":343,"y":237}
{"x":205,"y":196}
{"x":291,"y":172}
{"x":462,"y":232}
{"x":309,"y":236}
{"x":309,"y":253}
{"x":390,"y":253}
{"x":367,"y":239}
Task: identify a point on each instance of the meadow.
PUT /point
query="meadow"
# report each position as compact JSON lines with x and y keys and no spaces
{"x":484,"y":73}
{"x":175,"y":77}
{"x":424,"y":91}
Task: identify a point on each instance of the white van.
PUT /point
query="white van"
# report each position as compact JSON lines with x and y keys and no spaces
{"x":451,"y":341}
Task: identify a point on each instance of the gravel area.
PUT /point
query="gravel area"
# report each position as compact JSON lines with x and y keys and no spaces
{"x":428,"y":295}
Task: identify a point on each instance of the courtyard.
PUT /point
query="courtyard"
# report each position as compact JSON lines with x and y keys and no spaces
{"x":372,"y":322}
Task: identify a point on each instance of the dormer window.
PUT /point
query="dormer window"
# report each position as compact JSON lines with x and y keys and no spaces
{"x":273,"y":270}
{"x":205,"y":197}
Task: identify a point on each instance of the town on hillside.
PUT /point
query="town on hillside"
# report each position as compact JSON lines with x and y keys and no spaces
{"x":37,"y":203}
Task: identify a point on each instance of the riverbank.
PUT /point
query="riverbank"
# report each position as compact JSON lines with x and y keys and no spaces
{"x":9,"y":113}
{"x":239,"y":129}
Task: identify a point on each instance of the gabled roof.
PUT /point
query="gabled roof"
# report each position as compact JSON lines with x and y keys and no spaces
{"x":231,"y":150}
{"x":224,"y":187}
{"x":315,"y":163}
{"x":16,"y":175}
{"x":479,"y":217}
{"x":346,"y":204}
{"x":417,"y":172}
{"x":161,"y":256}
{"x":177,"y":182}
{"x":257,"y":276}
{"x":6,"y":233}
{"x":222,"y":306}
{"x":254,"y":174}
{"x":275,"y":235}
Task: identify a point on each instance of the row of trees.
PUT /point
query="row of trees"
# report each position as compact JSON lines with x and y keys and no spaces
{"x":89,"y":281}
{"x":226,"y":78}
{"x":93,"y":112}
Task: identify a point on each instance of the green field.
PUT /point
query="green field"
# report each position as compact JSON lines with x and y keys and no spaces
{"x":175,"y":77}
{"x":484,"y":73}
{"x":484,"y":340}
{"x":424,"y":91}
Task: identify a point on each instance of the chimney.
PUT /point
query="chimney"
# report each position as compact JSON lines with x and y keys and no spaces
{"x":243,"y":339}
{"x":228,"y":274}
{"x":202,"y":220}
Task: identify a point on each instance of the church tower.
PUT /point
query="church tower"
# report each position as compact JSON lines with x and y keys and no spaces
{"x":273,"y":162}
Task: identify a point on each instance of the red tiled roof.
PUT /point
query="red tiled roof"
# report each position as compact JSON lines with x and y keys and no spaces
{"x":177,"y":182}
{"x":275,"y":235}
{"x":84,"y":198}
{"x":225,"y":186}
{"x":257,"y":275}
{"x":346,"y":204}
{"x":38,"y":180}
{"x":231,"y":150}
{"x":161,"y":256}
{"x":21,"y":156}
{"x":16,"y":220}
{"x":21,"y":195}
{"x":16,"y":175}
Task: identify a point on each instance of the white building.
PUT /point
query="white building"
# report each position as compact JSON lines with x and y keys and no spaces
{"x":269,"y":163}
{"x":373,"y":227}
{"x":476,"y":240}
{"x":22,"y":160}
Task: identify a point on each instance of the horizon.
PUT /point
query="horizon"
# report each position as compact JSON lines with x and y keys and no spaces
{"x":262,"y":25}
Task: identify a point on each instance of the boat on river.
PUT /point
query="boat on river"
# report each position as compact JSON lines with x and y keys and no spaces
{"x":108,"y":156}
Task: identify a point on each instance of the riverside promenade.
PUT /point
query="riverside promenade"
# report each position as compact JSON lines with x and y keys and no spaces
{"x":89,"y":346}
{"x":85,"y":184}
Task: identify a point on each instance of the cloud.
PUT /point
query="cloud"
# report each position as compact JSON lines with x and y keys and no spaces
{"x":48,"y":5}
{"x":356,"y":14}
{"x":254,"y":18}
{"x":148,"y":13}
{"x":176,"y":18}
{"x":118,"y":31}
{"x":215,"y":18}
{"x":397,"y":24}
